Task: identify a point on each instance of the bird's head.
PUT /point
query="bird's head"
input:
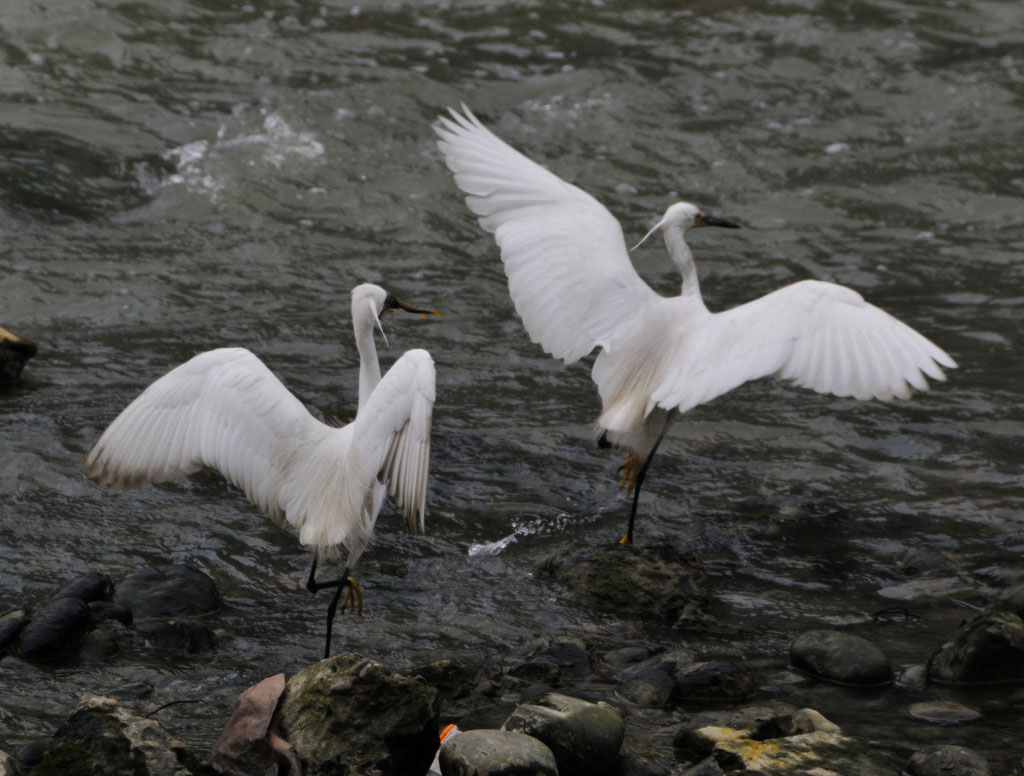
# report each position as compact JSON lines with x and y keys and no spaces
{"x":370,"y":302}
{"x":683,"y":216}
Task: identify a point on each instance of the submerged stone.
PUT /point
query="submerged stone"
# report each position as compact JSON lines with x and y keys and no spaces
{"x":350,"y":716}
{"x":840,"y":657}
{"x":943,"y":712}
{"x":496,"y":753}
{"x":55,"y":630}
{"x":987,"y":648}
{"x":584,"y":737}
{"x":14,"y":352}
{"x":553,"y":660}
{"x":946,"y":760}
{"x":639,"y":580}
{"x":172,"y":590}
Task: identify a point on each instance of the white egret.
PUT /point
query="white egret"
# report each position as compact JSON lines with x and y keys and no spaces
{"x":575,"y":289}
{"x":224,"y":409}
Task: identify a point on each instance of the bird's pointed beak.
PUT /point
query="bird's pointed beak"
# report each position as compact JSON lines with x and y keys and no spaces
{"x":705,"y":220}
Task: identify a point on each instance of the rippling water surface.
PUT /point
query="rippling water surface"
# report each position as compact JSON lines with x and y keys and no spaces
{"x":177,"y":176}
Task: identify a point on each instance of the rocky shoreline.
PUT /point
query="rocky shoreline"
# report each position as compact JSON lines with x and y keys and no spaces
{"x":558,"y":706}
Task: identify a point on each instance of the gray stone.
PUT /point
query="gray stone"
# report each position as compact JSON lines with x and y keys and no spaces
{"x":987,"y":648}
{"x":648,"y":686}
{"x":925,"y":559}
{"x":714,"y":680}
{"x":584,"y":737}
{"x":350,"y":716}
{"x":644,"y":580}
{"x":108,"y":610}
{"x":943,"y":712}
{"x":102,"y":738}
{"x":553,"y":660}
{"x":1010,"y":599}
{"x":6,"y":764}
{"x":840,"y":657}
{"x":168,"y":591}
{"x":946,"y":760}
{"x":55,"y":630}
{"x":496,"y":753}
{"x":90,"y":587}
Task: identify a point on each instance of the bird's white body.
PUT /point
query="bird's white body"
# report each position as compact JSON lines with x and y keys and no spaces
{"x":575,"y":288}
{"x":224,"y":409}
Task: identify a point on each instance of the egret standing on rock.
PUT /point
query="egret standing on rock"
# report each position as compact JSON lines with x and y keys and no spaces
{"x":575,"y":289}
{"x":224,"y":409}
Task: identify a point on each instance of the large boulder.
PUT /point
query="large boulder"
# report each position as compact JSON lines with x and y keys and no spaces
{"x":100,"y":737}
{"x":987,"y":648}
{"x":647,"y":580}
{"x":350,"y":716}
{"x":840,"y":657}
{"x":496,"y":753}
{"x":584,"y":737}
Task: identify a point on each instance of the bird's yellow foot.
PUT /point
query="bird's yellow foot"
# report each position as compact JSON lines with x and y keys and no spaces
{"x":625,"y":540}
{"x":353,"y":600}
{"x":630,"y":468}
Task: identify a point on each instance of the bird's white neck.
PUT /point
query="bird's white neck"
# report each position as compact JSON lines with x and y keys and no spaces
{"x":683,"y":258}
{"x":369,"y":368}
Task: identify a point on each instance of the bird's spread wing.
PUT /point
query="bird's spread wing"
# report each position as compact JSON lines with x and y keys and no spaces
{"x":815,"y":334}
{"x":568,"y":269}
{"x":392,"y":433}
{"x":222,"y":409}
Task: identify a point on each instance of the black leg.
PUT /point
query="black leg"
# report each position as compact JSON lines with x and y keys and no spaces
{"x":628,"y":538}
{"x":339,"y":585}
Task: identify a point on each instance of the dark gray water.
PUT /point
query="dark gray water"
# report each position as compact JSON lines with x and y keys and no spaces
{"x":177,"y":176}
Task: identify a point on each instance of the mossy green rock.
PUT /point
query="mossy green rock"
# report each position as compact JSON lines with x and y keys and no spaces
{"x":350,"y":716}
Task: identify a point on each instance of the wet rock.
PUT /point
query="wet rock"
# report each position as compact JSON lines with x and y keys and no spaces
{"x":584,"y":737}
{"x":108,"y":610}
{"x":644,"y":580}
{"x":350,"y":716}
{"x":31,"y":753}
{"x":913,"y":678}
{"x":1010,"y":599}
{"x":167,"y":591}
{"x":6,"y":764}
{"x":677,"y":676}
{"x":714,"y":680}
{"x":453,"y":680}
{"x":811,"y":721}
{"x":648,"y":685}
{"x":840,"y":657}
{"x":925,"y":559}
{"x":819,"y":753}
{"x":698,"y":736}
{"x":102,"y":738}
{"x":246,"y":746}
{"x":55,"y":630}
{"x":987,"y":648}
{"x":14,"y":352}
{"x":11,"y":623}
{"x":178,"y":635}
{"x":554,"y":661}
{"x":496,"y":753}
{"x":946,"y":760}
{"x":943,"y":712}
{"x":90,"y":587}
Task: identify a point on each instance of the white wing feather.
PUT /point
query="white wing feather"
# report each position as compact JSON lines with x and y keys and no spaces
{"x":815,"y":334}
{"x":568,"y":269}
{"x":222,"y":409}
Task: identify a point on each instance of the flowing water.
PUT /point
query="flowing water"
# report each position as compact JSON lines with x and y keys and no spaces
{"x":183,"y":175}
